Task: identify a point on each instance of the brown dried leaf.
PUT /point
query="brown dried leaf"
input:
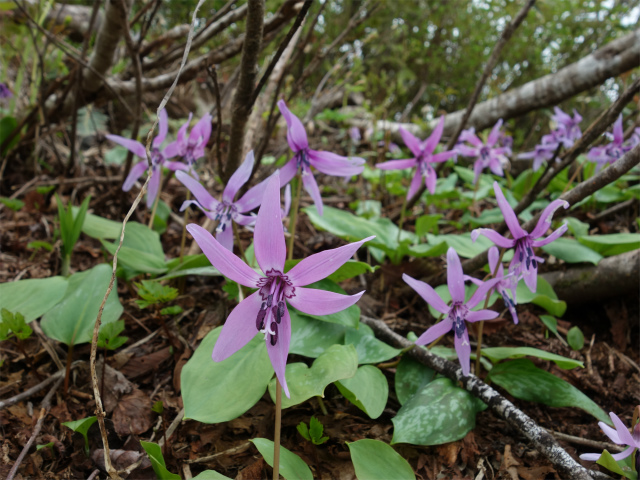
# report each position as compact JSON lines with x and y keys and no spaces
{"x":120,"y":459}
{"x":252,"y":471}
{"x":449,"y":452}
{"x":138,"y":366}
{"x":115,"y":386}
{"x":133,"y":414}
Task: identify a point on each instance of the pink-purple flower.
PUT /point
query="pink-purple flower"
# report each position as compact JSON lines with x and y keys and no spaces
{"x":542,"y":153}
{"x":608,"y":154}
{"x":620,"y":436}
{"x":191,"y":148}
{"x":227,"y":210}
{"x":488,"y":154}
{"x":304,"y":158}
{"x":567,"y":128}
{"x":458,"y":312}
{"x":524,"y":263}
{"x":423,"y":159}
{"x":4,"y":91}
{"x":159,"y":159}
{"x":265,"y":310}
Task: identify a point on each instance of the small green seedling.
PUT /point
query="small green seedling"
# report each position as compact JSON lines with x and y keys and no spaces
{"x":157,"y":461}
{"x":313,"y":432}
{"x":108,"y":337}
{"x":82,"y":427}
{"x":12,"y":203}
{"x":14,"y":324}
{"x":575,"y":338}
{"x":46,"y":445}
{"x":153,"y":293}
{"x":70,"y":228}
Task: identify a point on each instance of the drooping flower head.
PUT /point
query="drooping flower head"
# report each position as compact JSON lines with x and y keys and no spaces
{"x":423,"y":159}
{"x":620,"y":436}
{"x":304,"y":158}
{"x":265,"y":310}
{"x":486,"y":154}
{"x":4,"y":91}
{"x":458,"y":312}
{"x":542,"y":153}
{"x":159,"y":158}
{"x":227,"y":210}
{"x":524,"y":263}
{"x":567,"y":127}
{"x":191,"y":148}
{"x":609,"y":154}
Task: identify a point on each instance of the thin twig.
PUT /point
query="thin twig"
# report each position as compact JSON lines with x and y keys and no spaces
{"x":232,"y":451}
{"x":612,"y":448}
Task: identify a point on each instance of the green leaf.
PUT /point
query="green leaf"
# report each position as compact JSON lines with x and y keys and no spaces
{"x":292,"y":467}
{"x":522,"y":379}
{"x":46,"y":445}
{"x":38,"y":244}
{"x":410,"y":377}
{"x":368,"y":347}
{"x":215,"y":392}
{"x":316,"y":429}
{"x":375,"y":460}
{"x":495,"y":354}
{"x":12,"y":203}
{"x":336,"y":363}
{"x":439,"y":413}
{"x":368,"y":390}
{"x":351,"y":269}
{"x":98,"y":227}
{"x":575,"y":338}
{"x":15,"y":323}
{"x":153,"y":292}
{"x":173,"y":310}
{"x":552,"y":324}
{"x":612,"y":244}
{"x":82,"y":427}
{"x":8,"y":125}
{"x":349,"y":317}
{"x":576,"y":227}
{"x":157,"y":461}
{"x":623,"y":467}
{"x":426,"y":223}
{"x":463,"y":244}
{"x":71,"y":321}
{"x":210,"y":475}
{"x":572,"y":251}
{"x":303,"y":429}
{"x":544,"y":297}
{"x":311,"y":337}
{"x":141,"y":251}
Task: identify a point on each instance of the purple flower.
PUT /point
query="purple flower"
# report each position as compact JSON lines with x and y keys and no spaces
{"x":542,"y":153}
{"x":265,"y":311}
{"x":608,"y":154}
{"x":158,"y":159}
{"x":4,"y":91}
{"x":354,"y":134}
{"x":227,"y":210}
{"x":620,"y":436}
{"x":424,"y":157}
{"x":567,"y":128}
{"x":487,"y":155}
{"x":524,"y":263}
{"x":191,"y":148}
{"x":304,"y":158}
{"x":458,"y":312}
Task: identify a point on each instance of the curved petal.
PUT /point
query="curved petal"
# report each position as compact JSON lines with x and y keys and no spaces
{"x":481,"y":315}
{"x":494,"y":236}
{"x":416,"y":182}
{"x":238,"y":179}
{"x":612,"y":433}
{"x":623,"y":433}
{"x":435,"y":331}
{"x":618,"y":131}
{"x":545,"y":218}
{"x":455,"y":276}
{"x":430,"y":181}
{"x":278,"y":353}
{"x":197,"y":190}
{"x":430,"y":143}
{"x":268,"y":239}
{"x":494,"y":257}
{"x":172,"y":150}
{"x":253,"y":197}
{"x":287,"y":201}
{"x":554,"y":236}
{"x":131,"y":145}
{"x":225,"y":261}
{"x":175,"y":166}
{"x":153,"y":187}
{"x":245,"y":220}
{"x":496,"y":168}
{"x":239,"y":328}
{"x":481,"y":293}
{"x":397,"y":164}
{"x":443,"y":156}
{"x":182,"y":131}
{"x":463,"y":349}
{"x":288,"y":171}
{"x":296,"y":134}
{"x":311,"y":186}
{"x":336,"y":165}
{"x":495,"y":134}
{"x":322,"y":264}
{"x":225,"y":237}
{"x":531,"y":278}
{"x":510,"y":217}
{"x":624,"y":454}
{"x":470,"y":136}
{"x":590,"y":457}
{"x":427,"y":293}
{"x":321,"y":302}
{"x":411,"y":141}
{"x":163,"y":127}
{"x":468,"y":151}
{"x":201,"y":131}
{"x":478,"y":166}
{"x":134,"y":174}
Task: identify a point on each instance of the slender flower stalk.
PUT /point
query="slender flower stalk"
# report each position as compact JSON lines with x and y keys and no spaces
{"x":304,"y":158}
{"x":458,"y":312}
{"x":489,"y":154}
{"x":227,"y":210}
{"x":524,"y":263}
{"x":265,"y":310}
{"x":620,"y":436}
{"x":423,"y":159}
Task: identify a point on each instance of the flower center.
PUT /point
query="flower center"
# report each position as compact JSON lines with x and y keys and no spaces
{"x":157,"y":158}
{"x":302,"y":159}
{"x":524,"y":252}
{"x":458,"y":313}
{"x":225,"y":212}
{"x":274,"y":288}
{"x":484,"y":153}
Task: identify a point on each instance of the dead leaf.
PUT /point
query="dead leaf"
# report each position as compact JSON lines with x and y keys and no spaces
{"x":534,"y":473}
{"x":252,"y":471}
{"x":177,"y":371}
{"x":449,"y":452}
{"x":120,"y":459}
{"x":133,"y":414}
{"x":138,"y":366}
{"x":509,"y":463}
{"x":115,"y":386}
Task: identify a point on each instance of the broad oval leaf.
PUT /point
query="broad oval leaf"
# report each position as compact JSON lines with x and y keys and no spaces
{"x":572,"y":251}
{"x":544,"y":297}
{"x":210,"y":475}
{"x":495,"y":354}
{"x":336,"y":363}
{"x":292,"y":467}
{"x":439,"y":413}
{"x":368,"y":390}
{"x":622,"y":467}
{"x":311,"y":337}
{"x":410,"y":377}
{"x":215,"y":392}
{"x":368,"y":347}
{"x":522,"y":379}
{"x":141,"y":251}
{"x":157,"y":461}
{"x":613,"y":243}
{"x":375,"y":460}
{"x":33,"y":297}
{"x":72,"y":320}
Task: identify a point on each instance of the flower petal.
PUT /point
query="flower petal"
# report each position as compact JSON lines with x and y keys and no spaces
{"x":163,"y":127}
{"x":494,"y":257}
{"x":311,"y":186}
{"x":253,"y":197}
{"x":397,"y":164}
{"x":554,"y":236}
{"x":322,"y":264}
{"x":135,"y":173}
{"x":495,"y":134}
{"x":623,"y":432}
{"x":172,"y":150}
{"x":153,"y":187}
{"x":336,"y":165}
{"x":531,"y":278}
{"x":416,"y":182}
{"x":618,"y":131}
{"x":321,"y":302}
{"x":494,"y":236}
{"x":624,"y":454}
{"x":427,"y":293}
{"x":545,"y":218}
{"x":481,"y":292}
{"x":225,"y":261}
{"x":411,"y":141}
{"x":435,"y":331}
{"x":225,"y":237}
{"x":131,"y":145}
{"x":175,"y":166}
{"x":238,"y":179}
{"x":455,"y":276}
{"x":278,"y":353}
{"x":431,"y":143}
{"x":478,"y":166}
{"x":470,"y":136}
{"x":268,"y":239}
{"x":296,"y":134}
{"x":463,"y":349}
{"x":590,"y":457}
{"x":430,"y":181}
{"x":201,"y":132}
{"x":198,"y":191}
{"x":288,"y":171}
{"x":612,"y":433}
{"x":468,"y":151}
{"x":481,"y":315}
{"x":442,"y":156}
{"x":509,"y":215}
{"x":239,"y":328}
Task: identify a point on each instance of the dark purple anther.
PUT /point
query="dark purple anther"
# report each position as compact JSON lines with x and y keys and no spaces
{"x":274,"y":337}
{"x":458,"y":327}
{"x":281,"y":309}
{"x":528,"y":263}
{"x":260,"y":318}
{"x":269,"y":299}
{"x":534,"y":263}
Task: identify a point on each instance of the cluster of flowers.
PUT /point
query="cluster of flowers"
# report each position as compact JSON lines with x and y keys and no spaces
{"x":608,"y":154}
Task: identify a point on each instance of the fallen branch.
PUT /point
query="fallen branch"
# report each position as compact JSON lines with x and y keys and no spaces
{"x":539,"y":437}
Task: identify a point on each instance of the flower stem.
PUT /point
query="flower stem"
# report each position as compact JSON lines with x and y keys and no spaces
{"x":293,"y":216}
{"x":185,"y":218}
{"x":155,"y":203}
{"x":403,"y":214}
{"x":322,"y":405}
{"x":66,"y":263}
{"x":276,"y":435}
